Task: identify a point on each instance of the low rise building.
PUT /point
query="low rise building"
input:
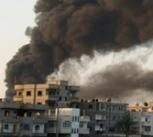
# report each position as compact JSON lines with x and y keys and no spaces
{"x":67,"y":122}
{"x":104,"y":115}
{"x":22,"y":120}
{"x":53,"y":93}
{"x":143,"y":123}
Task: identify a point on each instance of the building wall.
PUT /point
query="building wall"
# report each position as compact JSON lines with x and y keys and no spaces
{"x":104,"y":115}
{"x":38,"y":129}
{"x":47,"y":93}
{"x":143,"y":123}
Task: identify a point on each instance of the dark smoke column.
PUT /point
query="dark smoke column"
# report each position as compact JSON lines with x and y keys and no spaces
{"x":71,"y":28}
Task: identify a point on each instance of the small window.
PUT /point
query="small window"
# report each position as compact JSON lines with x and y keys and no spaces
{"x":51,"y":124}
{"x":26,"y":127}
{"x":39,"y":103}
{"x":60,"y":99}
{"x":37,"y":127}
{"x":39,"y":93}
{"x":66,"y":124}
{"x":29,"y":114}
{"x":6,"y":113}
{"x":6,"y":126}
{"x":90,"y":106}
{"x":20,"y":94}
{"x":28,"y":93}
{"x":81,"y":124}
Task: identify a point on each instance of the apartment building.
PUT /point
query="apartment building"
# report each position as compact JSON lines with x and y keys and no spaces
{"x":143,"y":123}
{"x":54,"y":93}
{"x":22,"y":120}
{"x":68,"y":123}
{"x":104,"y":115}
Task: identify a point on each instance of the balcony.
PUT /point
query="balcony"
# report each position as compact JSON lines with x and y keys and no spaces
{"x":100,"y":117}
{"x":84,"y":119}
{"x":83,"y":131}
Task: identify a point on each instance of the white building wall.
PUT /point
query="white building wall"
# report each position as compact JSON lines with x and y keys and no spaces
{"x":9,"y":129}
{"x":72,"y":115}
{"x":41,"y":129}
{"x":144,"y":122}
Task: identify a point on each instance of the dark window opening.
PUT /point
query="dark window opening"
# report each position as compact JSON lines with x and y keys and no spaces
{"x":20,"y":94}
{"x":28,"y":93}
{"x":39,"y":103}
{"x":26,"y":127}
{"x":90,"y":106}
{"x":60,"y":99}
{"x":6,"y":126}
{"x":37,"y":127}
{"x":39,"y":93}
{"x":6,"y":113}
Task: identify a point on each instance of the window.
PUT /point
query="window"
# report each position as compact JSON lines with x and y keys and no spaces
{"x":66,"y":124}
{"x":147,"y":128}
{"x":28,"y":93}
{"x":90,"y":106}
{"x":60,"y":99}
{"x":37,"y":127}
{"x":6,"y":126}
{"x":75,"y":118}
{"x":39,"y":93}
{"x":102,"y":107}
{"x":29,"y":114}
{"x":81,"y":125}
{"x":39,"y":103}
{"x":51,"y":124}
{"x":6,"y":113}
{"x":26,"y":127}
{"x":51,"y":91}
{"x":75,"y":130}
{"x":20,"y":94}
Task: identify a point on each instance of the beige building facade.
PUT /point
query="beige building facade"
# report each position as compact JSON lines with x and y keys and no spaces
{"x":52,"y":93}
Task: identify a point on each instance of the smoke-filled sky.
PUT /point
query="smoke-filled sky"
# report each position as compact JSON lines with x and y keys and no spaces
{"x":73,"y":29}
{"x":15,"y":16}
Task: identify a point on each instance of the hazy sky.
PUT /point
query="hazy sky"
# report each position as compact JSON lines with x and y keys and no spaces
{"x":15,"y":16}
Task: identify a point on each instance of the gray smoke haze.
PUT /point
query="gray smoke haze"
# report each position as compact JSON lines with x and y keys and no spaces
{"x":72,"y":28}
{"x":114,"y":74}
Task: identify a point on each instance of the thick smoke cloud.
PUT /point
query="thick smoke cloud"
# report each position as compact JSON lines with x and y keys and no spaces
{"x":117,"y":74}
{"x":71,"y":28}
{"x":118,"y":81}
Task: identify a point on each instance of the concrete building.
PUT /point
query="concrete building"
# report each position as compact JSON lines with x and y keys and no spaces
{"x":33,"y":120}
{"x":54,"y":93}
{"x":104,"y":115}
{"x":143,"y":123}
{"x":22,"y":120}
{"x":67,"y":122}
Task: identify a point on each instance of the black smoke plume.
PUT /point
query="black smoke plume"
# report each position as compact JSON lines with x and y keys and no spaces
{"x":71,"y":28}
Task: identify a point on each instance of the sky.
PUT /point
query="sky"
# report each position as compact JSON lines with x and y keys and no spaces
{"x":15,"y":17}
